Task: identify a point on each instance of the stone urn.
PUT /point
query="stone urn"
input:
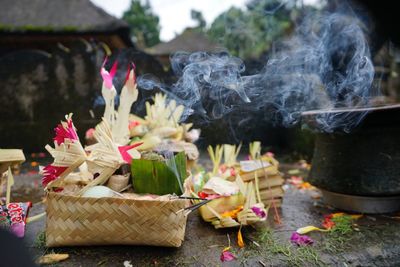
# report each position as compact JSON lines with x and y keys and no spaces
{"x":359,"y":171}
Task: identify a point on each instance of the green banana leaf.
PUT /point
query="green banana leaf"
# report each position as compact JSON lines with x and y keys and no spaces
{"x":159,"y":177}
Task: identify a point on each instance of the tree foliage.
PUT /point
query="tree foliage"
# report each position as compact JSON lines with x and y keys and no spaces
{"x":145,"y":27}
{"x":250,"y":32}
{"x":199,"y":18}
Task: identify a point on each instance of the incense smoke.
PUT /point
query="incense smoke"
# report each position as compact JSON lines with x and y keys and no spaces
{"x":325,"y":65}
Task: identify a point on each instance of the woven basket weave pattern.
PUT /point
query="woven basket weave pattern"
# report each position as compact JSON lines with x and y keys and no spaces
{"x":73,"y":221}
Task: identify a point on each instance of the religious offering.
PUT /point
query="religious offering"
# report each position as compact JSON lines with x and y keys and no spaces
{"x":127,"y":186}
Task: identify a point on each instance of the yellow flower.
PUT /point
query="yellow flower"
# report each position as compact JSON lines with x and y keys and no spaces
{"x":310,"y":228}
{"x":232,"y":213}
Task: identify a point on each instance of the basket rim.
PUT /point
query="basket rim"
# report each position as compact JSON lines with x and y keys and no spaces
{"x":54,"y":195}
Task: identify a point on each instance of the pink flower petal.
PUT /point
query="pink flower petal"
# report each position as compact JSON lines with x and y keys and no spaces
{"x":213,"y":196}
{"x":259,"y":212}
{"x":133,"y":124}
{"x":123,"y":150}
{"x":90,"y":133}
{"x":113,"y":70}
{"x":108,"y":76}
{"x":301,"y":240}
{"x":227,"y":256}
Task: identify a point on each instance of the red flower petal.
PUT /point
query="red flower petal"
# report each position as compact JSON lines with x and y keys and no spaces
{"x":131,"y":67}
{"x":63,"y":132}
{"x":328,"y":223}
{"x":51,"y":173}
{"x":203,"y":195}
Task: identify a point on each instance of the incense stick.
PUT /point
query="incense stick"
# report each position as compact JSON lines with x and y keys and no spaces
{"x":198,"y":205}
{"x":194,"y":198}
{"x":194,"y":207}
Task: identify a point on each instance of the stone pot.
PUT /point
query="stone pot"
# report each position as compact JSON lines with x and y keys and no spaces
{"x":364,"y":163}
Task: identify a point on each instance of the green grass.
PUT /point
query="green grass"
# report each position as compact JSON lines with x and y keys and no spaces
{"x":343,"y":225}
{"x":271,"y":250}
{"x":40,"y":241}
{"x":338,"y":238}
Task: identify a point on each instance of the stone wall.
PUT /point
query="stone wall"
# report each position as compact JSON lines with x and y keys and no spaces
{"x":38,"y":88}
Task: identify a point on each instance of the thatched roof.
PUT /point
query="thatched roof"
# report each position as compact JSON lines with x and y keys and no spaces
{"x":191,"y":40}
{"x":58,"y":16}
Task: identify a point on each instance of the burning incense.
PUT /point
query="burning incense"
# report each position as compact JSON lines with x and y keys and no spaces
{"x":193,"y":207}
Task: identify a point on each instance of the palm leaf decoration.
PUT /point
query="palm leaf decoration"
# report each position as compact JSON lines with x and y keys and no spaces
{"x":159,"y":176}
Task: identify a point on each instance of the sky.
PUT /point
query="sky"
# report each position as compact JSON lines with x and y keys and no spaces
{"x":174,"y":14}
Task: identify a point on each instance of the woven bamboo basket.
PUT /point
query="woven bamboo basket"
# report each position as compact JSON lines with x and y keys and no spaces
{"x":81,"y":221}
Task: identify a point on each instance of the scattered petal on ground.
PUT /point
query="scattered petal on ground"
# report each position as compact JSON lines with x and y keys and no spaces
{"x":307,"y":229}
{"x":52,"y":258}
{"x":226,"y":255}
{"x":301,"y":240}
{"x":328,"y":223}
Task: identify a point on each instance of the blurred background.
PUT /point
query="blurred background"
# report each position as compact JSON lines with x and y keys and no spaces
{"x":51,"y":53}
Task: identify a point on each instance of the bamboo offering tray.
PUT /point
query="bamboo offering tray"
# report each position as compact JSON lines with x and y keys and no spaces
{"x":77,"y":221}
{"x":10,"y":157}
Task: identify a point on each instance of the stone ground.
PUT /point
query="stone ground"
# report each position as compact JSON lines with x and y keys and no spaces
{"x":374,"y":244}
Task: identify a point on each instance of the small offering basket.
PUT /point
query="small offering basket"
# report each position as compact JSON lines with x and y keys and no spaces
{"x":82,"y":215}
{"x":83,"y":221}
